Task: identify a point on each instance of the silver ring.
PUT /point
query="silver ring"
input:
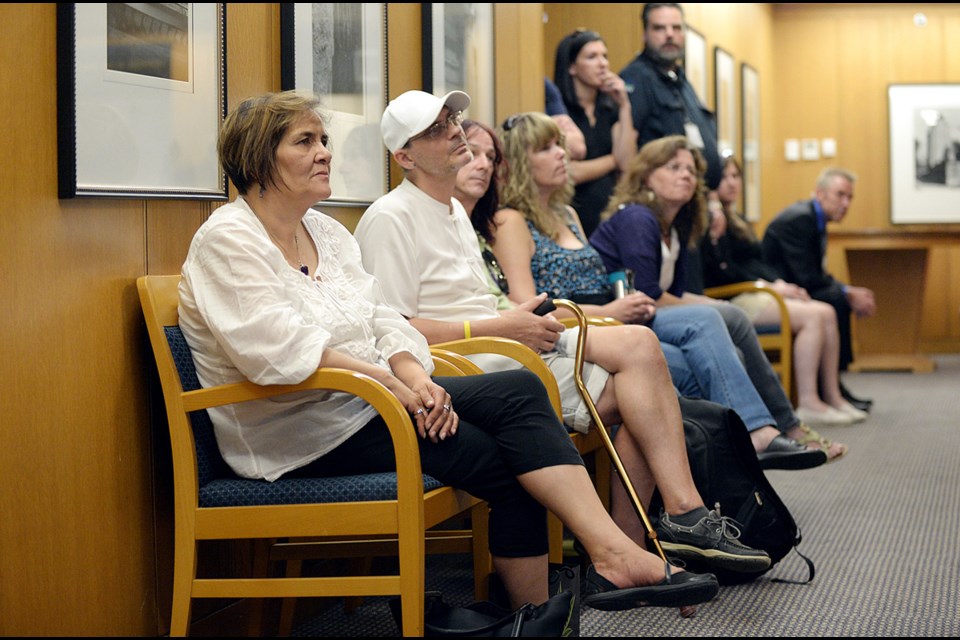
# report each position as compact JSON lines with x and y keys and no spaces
{"x":446,"y":407}
{"x":418,"y":412}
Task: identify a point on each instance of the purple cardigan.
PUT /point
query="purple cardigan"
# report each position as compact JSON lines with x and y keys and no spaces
{"x":630,"y":239}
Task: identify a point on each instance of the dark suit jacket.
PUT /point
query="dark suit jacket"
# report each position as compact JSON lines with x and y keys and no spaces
{"x":791,"y":245}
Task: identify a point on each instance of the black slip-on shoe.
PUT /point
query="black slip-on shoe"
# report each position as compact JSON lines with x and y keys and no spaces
{"x":864,"y":404}
{"x":786,"y":453}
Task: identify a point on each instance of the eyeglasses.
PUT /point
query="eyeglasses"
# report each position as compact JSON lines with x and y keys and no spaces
{"x":438,"y":129}
{"x":495,"y":271}
{"x":513,"y":121}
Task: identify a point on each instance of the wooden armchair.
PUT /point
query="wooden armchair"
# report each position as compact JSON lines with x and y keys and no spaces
{"x":776,"y":340}
{"x":211,"y":503}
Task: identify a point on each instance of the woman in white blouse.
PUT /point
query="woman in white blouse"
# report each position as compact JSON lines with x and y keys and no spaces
{"x":272,"y":289}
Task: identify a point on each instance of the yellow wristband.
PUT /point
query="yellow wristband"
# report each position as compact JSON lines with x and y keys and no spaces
{"x":466,"y":329}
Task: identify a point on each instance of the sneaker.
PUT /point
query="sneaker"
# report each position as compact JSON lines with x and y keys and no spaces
{"x":714,"y":540}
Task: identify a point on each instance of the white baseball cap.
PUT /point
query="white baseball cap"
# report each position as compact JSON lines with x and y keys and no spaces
{"x":413,"y":112}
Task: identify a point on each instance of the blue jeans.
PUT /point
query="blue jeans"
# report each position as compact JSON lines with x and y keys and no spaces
{"x":704,"y":362}
{"x":765,"y":379}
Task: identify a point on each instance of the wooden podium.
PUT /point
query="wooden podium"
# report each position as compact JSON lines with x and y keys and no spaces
{"x":890,"y":340}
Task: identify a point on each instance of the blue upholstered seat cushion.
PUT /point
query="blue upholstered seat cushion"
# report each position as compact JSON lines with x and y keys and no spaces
{"x":767,"y":329}
{"x":220,"y":487}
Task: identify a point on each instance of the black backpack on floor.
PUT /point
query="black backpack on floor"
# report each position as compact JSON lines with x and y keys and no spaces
{"x":725,"y":469}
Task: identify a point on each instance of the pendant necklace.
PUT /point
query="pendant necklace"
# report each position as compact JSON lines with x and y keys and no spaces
{"x":296,"y":241}
{"x":303,"y":268}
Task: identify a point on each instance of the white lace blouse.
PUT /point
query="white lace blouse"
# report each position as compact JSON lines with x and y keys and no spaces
{"x":247,"y":314}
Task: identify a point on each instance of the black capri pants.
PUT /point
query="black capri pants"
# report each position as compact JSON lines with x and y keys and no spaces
{"x":507,"y":428}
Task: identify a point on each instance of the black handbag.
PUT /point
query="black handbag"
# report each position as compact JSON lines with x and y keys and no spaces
{"x":485,"y":619}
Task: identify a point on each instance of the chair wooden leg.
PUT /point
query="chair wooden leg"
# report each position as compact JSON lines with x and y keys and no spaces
{"x":482,"y":561}
{"x":358,"y":567}
{"x":288,"y":606}
{"x":184,"y":572}
{"x":603,"y":470}
{"x":260,"y":569}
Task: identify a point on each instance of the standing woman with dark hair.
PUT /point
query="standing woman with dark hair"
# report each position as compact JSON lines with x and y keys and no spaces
{"x":597,"y":102}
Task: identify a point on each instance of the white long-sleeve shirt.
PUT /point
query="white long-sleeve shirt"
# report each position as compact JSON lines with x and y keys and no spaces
{"x":247,"y":314}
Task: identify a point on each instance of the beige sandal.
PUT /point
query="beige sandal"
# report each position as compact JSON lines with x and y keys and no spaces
{"x":810,"y":436}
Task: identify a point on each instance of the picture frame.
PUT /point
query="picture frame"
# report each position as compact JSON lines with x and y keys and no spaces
{"x":750,"y":142}
{"x":141,"y":95}
{"x":924,"y":154}
{"x":458,"y":54}
{"x":695,"y":62}
{"x":338,"y":50}
{"x":724,"y":100}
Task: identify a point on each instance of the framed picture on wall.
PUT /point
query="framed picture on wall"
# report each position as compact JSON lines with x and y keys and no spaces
{"x":924,"y":153}
{"x":725,"y":101}
{"x":338,"y":50}
{"x":458,"y":54}
{"x":695,"y":62}
{"x":750,"y":128}
{"x":141,"y":96}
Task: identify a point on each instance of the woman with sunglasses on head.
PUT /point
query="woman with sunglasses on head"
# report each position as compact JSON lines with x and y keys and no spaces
{"x":541,"y":247}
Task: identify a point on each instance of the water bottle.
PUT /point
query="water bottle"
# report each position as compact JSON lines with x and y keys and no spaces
{"x":618,"y":283}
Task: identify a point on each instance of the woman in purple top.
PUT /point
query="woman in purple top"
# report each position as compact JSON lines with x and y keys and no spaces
{"x":657,"y":211}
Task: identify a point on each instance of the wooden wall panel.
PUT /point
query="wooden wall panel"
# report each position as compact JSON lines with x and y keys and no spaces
{"x":76,"y":553}
{"x":518,"y":52}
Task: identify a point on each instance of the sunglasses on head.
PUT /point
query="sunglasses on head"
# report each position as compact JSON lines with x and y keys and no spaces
{"x":513,"y":121}
{"x":495,"y":271}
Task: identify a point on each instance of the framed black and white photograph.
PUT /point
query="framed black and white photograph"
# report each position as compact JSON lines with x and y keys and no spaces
{"x":141,"y":96}
{"x":750,"y":143}
{"x":725,"y":101}
{"x":458,"y":54}
{"x":338,"y":50}
{"x":695,"y":62}
{"x":924,"y":153}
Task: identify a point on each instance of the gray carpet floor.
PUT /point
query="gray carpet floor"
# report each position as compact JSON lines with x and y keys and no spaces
{"x":881,"y":526}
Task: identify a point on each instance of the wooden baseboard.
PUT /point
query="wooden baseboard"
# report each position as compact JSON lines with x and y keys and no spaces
{"x":916,"y":363}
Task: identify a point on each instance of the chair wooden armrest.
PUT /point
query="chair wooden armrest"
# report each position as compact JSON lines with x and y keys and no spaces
{"x":780,"y":342}
{"x":511,"y":349}
{"x":450,"y":363}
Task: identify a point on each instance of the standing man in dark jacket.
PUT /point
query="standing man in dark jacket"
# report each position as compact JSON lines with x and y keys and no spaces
{"x":664,"y":102}
{"x":795,"y":244}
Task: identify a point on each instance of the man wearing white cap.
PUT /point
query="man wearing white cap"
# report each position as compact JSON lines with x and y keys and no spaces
{"x":419,"y":243}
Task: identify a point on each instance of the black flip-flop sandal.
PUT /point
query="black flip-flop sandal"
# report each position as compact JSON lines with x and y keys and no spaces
{"x":675,"y":590}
